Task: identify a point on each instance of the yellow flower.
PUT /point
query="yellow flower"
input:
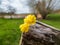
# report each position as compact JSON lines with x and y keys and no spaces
{"x":30,"y":19}
{"x":24,"y":27}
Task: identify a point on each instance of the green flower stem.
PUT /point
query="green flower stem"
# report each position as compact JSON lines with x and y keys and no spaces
{"x":20,"y":43}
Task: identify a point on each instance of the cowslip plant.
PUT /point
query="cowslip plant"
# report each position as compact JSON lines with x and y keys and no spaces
{"x":24,"y":27}
{"x":29,"y":20}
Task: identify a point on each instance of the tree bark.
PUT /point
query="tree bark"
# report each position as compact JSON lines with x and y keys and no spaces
{"x":41,"y":35}
{"x":44,"y":15}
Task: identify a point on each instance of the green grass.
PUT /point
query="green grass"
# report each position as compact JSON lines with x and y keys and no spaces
{"x":9,"y":31}
{"x":53,"y":20}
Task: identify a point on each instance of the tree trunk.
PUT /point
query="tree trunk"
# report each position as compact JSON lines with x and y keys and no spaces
{"x":44,"y":15}
{"x":41,"y":35}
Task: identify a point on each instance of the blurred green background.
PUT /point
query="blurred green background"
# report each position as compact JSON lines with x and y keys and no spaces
{"x":9,"y":31}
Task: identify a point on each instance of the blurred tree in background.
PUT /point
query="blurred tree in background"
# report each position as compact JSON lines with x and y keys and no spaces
{"x":44,"y":7}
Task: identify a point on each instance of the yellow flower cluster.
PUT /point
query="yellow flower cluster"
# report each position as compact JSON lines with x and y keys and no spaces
{"x":29,"y":20}
{"x":24,"y":27}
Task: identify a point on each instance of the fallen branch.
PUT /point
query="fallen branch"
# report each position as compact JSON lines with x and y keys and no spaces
{"x":41,"y":35}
